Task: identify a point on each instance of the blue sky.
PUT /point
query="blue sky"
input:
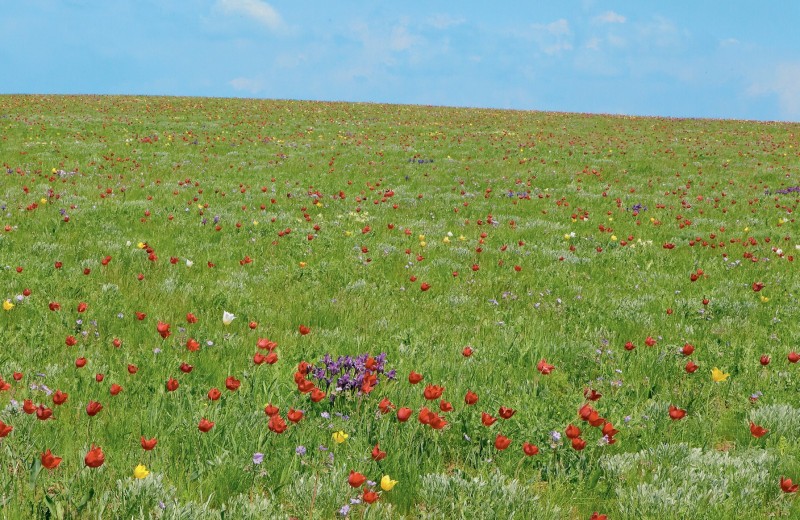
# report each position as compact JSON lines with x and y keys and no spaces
{"x":735,"y":60}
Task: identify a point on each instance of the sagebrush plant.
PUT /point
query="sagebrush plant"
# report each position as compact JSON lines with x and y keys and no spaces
{"x":554,"y":314}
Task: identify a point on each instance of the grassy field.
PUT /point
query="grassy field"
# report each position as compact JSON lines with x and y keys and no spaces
{"x":603,"y":312}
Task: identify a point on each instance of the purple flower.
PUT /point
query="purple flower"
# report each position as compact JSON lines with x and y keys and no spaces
{"x":258,"y":458}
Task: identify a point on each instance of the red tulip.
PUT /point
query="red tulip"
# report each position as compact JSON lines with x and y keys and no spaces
{"x":205,"y":425}
{"x":471,"y":398}
{"x":28,"y":407}
{"x":5,"y":429}
{"x":591,"y":395}
{"x":506,"y":413}
{"x":676,"y":413}
{"x":425,"y":416}
{"x":385,"y":406}
{"x":467,"y":352}
{"x":585,"y":411}
{"x":132,"y":369}
{"x":172,"y":384}
{"x":609,"y":430}
{"x":305,"y":386}
{"x":163,"y":329}
{"x":629,"y":346}
{"x":214,"y":394}
{"x":99,"y":378}
{"x":71,"y":341}
{"x":415,"y":378}
{"x":425,"y":286}
{"x":437,"y":422}
{"x":598,"y":516}
{"x":277,"y":424}
{"x":148,"y":444}
{"x":764,"y":360}
{"x":433,"y":392}
{"x":690,"y":367}
{"x":787,"y":486}
{"x":186,"y":368}
{"x":501,"y":442}
{"x":192,"y":345}
{"x":487,"y":419}
{"x":49,"y":460}
{"x":95,"y":457}
{"x":757,"y":286}
{"x":294,"y":415}
{"x":757,"y":431}
{"x":687,"y":349}
{"x":17,"y":376}
{"x":140,"y":316}
{"x":303,"y":330}
{"x":43,"y":413}
{"x":793,"y":357}
{"x":93,"y":408}
{"x":82,"y":307}
{"x":232,"y":384}
{"x":59,"y":397}
{"x":544,"y":367}
{"x":403,"y":414}
{"x":377,"y":454}
{"x":356,"y":479}
{"x":191,"y":318}
{"x":445,"y":406}
{"x":578,"y":444}
{"x":530,"y":449}
{"x":573,"y":431}
{"x":317,"y":395}
{"x":649,"y":341}
{"x":369,"y":496}
{"x":115,"y":389}
{"x":55,"y":306}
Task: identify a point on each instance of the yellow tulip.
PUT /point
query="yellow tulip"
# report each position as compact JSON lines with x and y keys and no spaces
{"x":718,"y":375}
{"x":7,"y":305}
{"x":339,"y":437}
{"x":387,"y":483}
{"x":140,"y":471}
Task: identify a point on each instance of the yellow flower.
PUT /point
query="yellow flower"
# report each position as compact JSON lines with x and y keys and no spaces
{"x":140,"y":245}
{"x":43,"y":201}
{"x":718,"y":375}
{"x":446,"y":240}
{"x":7,"y":305}
{"x":140,"y":471}
{"x":462,"y":237}
{"x":764,"y":299}
{"x":303,"y":264}
{"x":421,"y":238}
{"x":423,"y":244}
{"x":613,"y":238}
{"x":339,"y":437}
{"x":387,"y":483}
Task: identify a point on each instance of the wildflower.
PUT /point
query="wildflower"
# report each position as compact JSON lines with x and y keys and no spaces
{"x":300,"y":450}
{"x":387,"y":484}
{"x":718,"y":376}
{"x":757,"y":430}
{"x":227,"y":318}
{"x":49,"y":460}
{"x":258,"y":458}
{"x":356,"y":479}
{"x":339,"y":437}
{"x":7,"y":305}
{"x":94,"y":457}
{"x":140,"y":471}
{"x":787,"y":486}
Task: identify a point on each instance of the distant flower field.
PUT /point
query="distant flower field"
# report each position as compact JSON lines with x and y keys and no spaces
{"x":275,"y":309}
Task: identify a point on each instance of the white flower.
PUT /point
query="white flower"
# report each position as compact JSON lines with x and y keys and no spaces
{"x":227,"y":317}
{"x":189,"y":263}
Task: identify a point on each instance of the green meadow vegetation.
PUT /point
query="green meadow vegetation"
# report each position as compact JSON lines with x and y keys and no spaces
{"x":230,"y":308}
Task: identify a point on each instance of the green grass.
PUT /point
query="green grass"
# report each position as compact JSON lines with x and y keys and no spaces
{"x":562,"y":270}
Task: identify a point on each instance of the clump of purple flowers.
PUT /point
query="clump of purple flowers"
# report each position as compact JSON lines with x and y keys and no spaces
{"x":786,"y":191}
{"x":347,"y":374}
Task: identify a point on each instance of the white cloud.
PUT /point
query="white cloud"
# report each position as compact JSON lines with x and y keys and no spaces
{"x":784,"y":82}
{"x":553,"y":37}
{"x":259,"y":11}
{"x":610,"y":17}
{"x":443,"y":21}
{"x":401,"y":39}
{"x":253,"y":86}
